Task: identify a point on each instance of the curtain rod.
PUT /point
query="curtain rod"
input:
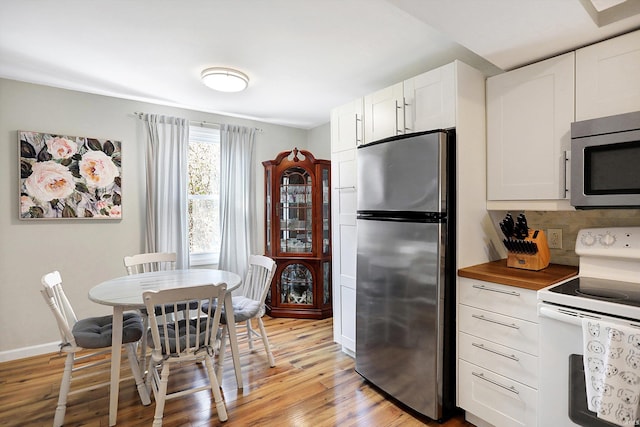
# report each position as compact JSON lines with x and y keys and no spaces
{"x":193,"y":122}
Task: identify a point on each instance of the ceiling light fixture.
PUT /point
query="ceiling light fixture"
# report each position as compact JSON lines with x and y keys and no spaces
{"x":225,"y":79}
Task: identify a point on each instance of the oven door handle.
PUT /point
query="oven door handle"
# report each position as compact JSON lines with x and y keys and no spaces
{"x":566,"y":316}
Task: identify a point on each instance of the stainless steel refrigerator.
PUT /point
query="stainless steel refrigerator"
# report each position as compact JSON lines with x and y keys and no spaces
{"x":405,"y":277}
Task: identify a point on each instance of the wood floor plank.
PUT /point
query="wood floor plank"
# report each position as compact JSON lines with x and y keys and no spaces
{"x":314,"y":384}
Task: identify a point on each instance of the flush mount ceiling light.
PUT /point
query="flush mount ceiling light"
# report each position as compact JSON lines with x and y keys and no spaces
{"x":225,"y":79}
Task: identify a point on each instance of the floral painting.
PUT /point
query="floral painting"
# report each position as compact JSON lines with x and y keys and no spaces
{"x":69,"y":177}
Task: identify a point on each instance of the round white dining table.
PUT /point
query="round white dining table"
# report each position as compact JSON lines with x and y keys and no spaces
{"x":125,"y":293}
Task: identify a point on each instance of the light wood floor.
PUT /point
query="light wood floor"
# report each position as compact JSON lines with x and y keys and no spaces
{"x":313,"y":384}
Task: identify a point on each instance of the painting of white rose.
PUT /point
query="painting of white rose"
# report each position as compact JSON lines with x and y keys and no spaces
{"x":69,"y":177}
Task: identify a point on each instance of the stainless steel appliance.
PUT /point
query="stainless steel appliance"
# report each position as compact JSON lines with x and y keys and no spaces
{"x":405,"y":278}
{"x":605,"y":154}
{"x":606,"y":289}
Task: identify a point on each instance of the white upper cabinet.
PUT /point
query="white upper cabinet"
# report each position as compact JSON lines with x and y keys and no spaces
{"x":421,"y":103}
{"x":608,"y":77}
{"x":384,"y":113}
{"x":346,"y":126}
{"x":529,"y":115}
{"x":429,"y":100}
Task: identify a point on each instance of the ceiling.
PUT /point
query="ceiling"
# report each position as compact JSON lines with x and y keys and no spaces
{"x":303,"y":57}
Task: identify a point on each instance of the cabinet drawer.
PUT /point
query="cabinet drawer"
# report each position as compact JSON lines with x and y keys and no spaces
{"x":503,"y":299}
{"x":508,"y":331}
{"x":502,"y":360}
{"x":494,"y":398}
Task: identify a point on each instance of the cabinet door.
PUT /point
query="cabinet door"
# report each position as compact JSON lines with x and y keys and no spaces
{"x":607,"y":77}
{"x":495,"y":399}
{"x":346,"y":126}
{"x":343,"y":206}
{"x":384,"y":113}
{"x":430,"y":100}
{"x":296,"y":212}
{"x":529,"y":115}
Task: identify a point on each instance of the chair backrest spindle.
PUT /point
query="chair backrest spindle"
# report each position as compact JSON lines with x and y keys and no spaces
{"x":155,"y":261}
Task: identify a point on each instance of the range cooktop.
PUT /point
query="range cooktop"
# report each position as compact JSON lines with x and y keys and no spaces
{"x":601,"y":289}
{"x":608,"y":281}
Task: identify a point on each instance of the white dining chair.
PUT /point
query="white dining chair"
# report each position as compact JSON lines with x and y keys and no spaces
{"x":249,"y":304}
{"x":180,"y":341}
{"x":92,"y":333}
{"x":145,"y":263}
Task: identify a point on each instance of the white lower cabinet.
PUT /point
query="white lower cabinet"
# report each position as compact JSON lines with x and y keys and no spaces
{"x":497,"y":353}
{"x":496,"y":399}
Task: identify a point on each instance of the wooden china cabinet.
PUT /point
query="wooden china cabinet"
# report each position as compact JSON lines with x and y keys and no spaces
{"x":298,"y":234}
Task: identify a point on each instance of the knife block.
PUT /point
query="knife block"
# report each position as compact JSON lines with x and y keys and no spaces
{"x":537,"y":261}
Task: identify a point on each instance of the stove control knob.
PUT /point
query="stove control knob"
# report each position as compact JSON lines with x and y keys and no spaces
{"x":588,"y":239}
{"x":608,"y":239}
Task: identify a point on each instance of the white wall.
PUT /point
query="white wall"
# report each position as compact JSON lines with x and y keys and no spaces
{"x":86,"y":252}
{"x":319,"y":142}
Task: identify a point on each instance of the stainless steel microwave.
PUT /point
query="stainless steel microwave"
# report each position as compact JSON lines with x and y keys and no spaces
{"x":605,"y":162}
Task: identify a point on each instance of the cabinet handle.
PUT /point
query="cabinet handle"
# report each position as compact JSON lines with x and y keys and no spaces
{"x":358,"y":120}
{"x":480,"y":375}
{"x":348,"y":187}
{"x":567,"y":173}
{"x":499,"y":353}
{"x":406,"y":104}
{"x":398,"y":107}
{"x":486,"y":319}
{"x":500,"y":291}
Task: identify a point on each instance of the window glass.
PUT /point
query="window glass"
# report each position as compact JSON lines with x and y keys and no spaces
{"x":204,"y":195}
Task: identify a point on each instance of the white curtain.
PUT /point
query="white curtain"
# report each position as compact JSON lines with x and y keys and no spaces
{"x":167,"y":144}
{"x":237,"y":198}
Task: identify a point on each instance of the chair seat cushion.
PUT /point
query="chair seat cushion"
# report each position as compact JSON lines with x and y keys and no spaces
{"x":196,"y":337}
{"x":243,"y":309}
{"x":96,"y":332}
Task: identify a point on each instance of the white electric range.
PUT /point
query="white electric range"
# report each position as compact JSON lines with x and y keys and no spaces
{"x":607,"y":288}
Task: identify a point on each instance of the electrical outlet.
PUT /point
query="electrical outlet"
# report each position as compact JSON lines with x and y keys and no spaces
{"x":554,"y":238}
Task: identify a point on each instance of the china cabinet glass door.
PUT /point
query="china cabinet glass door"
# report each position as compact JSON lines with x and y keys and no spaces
{"x":296,"y":285}
{"x":326,"y":212}
{"x":296,"y":216}
{"x":268,"y":224}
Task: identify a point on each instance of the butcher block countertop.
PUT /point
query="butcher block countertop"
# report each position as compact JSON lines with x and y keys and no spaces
{"x":498,"y":272}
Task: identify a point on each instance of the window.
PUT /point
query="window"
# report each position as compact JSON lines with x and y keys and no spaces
{"x":204,"y":195}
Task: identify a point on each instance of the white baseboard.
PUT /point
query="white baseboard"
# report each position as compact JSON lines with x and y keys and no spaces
{"x":476,"y":421}
{"x":21,"y":353}
{"x":348,"y":352}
